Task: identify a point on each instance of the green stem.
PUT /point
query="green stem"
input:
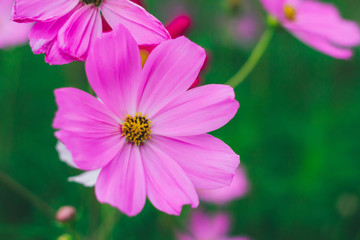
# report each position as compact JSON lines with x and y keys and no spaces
{"x":25,"y":193}
{"x":254,"y":58}
{"x":107,"y":225}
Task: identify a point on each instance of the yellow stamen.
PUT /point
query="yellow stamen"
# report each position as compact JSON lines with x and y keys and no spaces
{"x":95,"y":2}
{"x":290,"y":12}
{"x":144,"y":56}
{"x":136,"y":129}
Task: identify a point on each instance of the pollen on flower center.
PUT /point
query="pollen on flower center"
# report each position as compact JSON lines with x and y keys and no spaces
{"x":136,"y":129}
{"x":95,"y":2}
{"x":290,"y":12}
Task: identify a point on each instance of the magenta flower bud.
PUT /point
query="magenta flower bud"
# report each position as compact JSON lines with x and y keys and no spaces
{"x":65,"y":214}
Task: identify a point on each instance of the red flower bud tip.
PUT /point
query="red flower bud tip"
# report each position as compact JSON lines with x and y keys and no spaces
{"x":179,"y":25}
{"x":65,"y":214}
{"x":139,"y":2}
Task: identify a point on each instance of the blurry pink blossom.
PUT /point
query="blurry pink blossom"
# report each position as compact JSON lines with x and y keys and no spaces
{"x":238,"y":188}
{"x":148,"y":132}
{"x":317,"y":24}
{"x":66,"y":29}
{"x":11,"y":33}
{"x":246,"y":29}
{"x":207,"y":227}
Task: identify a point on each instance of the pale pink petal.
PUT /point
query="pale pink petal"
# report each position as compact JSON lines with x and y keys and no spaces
{"x":88,"y":129}
{"x":122,"y":182}
{"x":197,"y":111}
{"x":144,"y":27}
{"x":168,"y":186}
{"x":208,"y":161}
{"x":181,"y":236}
{"x":274,"y":7}
{"x":65,"y":154}
{"x":238,"y":188}
{"x":41,"y":10}
{"x":79,"y":32}
{"x":204,"y":226}
{"x":324,"y":20}
{"x":43,"y":34}
{"x":169,"y":71}
{"x":114,"y":70}
{"x":88,"y":178}
{"x":11,"y":33}
{"x":322,"y":44}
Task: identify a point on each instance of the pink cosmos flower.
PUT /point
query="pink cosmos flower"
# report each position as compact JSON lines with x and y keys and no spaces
{"x":317,"y":24}
{"x":146,"y":131}
{"x":203,"y":226}
{"x":238,"y":188}
{"x":66,"y":29}
{"x":11,"y":34}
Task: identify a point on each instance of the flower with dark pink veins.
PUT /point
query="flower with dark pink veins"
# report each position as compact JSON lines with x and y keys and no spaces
{"x":66,"y":29}
{"x":11,"y":34}
{"x":203,"y":226}
{"x":317,"y":24}
{"x":146,"y":131}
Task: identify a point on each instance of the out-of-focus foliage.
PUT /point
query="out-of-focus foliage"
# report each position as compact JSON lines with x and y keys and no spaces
{"x":297,"y":132}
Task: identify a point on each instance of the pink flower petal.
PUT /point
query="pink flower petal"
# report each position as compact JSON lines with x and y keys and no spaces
{"x":41,"y":10}
{"x":324,"y":20}
{"x":43,"y":34}
{"x":144,"y":27}
{"x":168,"y":186}
{"x":209,"y":227}
{"x":77,"y":35}
{"x":54,"y":55}
{"x":208,"y":161}
{"x":274,"y":7}
{"x":197,"y":111}
{"x":238,"y":188}
{"x":122,"y":182}
{"x":88,"y":178}
{"x":169,"y":71}
{"x":114,"y":69}
{"x":323,"y":45}
{"x":88,"y":129}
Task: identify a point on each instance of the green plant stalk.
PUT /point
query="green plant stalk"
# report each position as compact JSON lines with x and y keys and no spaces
{"x":27,"y":194}
{"x":254,"y":58}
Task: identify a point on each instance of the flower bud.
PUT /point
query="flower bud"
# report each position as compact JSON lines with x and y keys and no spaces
{"x":65,"y":237}
{"x":65,"y":214}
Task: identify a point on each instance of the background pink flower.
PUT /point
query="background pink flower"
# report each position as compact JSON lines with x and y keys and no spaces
{"x":11,"y":34}
{"x":238,"y":188}
{"x":317,"y":24}
{"x":207,"y":227}
{"x":66,"y":29}
{"x":146,"y":134}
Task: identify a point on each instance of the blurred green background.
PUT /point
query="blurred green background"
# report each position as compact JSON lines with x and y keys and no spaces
{"x":297,"y":132}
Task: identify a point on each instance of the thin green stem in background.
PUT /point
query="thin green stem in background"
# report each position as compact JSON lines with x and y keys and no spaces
{"x":106,"y":227}
{"x":27,"y":194}
{"x":254,"y":58}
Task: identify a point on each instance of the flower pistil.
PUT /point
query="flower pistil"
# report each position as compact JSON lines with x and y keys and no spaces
{"x":136,"y":129}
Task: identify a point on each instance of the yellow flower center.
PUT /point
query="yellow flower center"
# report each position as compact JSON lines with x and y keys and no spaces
{"x":95,"y":2}
{"x":290,"y":12}
{"x":136,"y":129}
